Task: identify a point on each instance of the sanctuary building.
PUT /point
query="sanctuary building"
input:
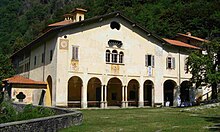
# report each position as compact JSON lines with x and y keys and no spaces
{"x":104,"y":61}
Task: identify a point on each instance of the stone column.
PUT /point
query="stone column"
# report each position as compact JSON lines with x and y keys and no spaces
{"x":102,"y":96}
{"x":123,"y":97}
{"x":141,"y":96}
{"x":105,"y":97}
{"x":84,"y":96}
{"x":175,"y":95}
{"x":126,"y":96}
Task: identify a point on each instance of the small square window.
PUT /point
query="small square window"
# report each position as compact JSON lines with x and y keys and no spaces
{"x":149,"y":60}
{"x":75,"y":53}
{"x":170,"y":63}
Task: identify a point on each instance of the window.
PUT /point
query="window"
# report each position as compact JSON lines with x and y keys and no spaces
{"x":27,"y":67}
{"x":80,"y":18}
{"x":186,"y":66}
{"x":20,"y":69}
{"x":114,"y":56}
{"x":149,"y":60}
{"x":75,"y":50}
{"x":42,"y":58}
{"x":114,"y":25}
{"x":121,"y":55}
{"x":35,"y":60}
{"x":51,"y":55}
{"x":170,"y":63}
{"x":107,"y":56}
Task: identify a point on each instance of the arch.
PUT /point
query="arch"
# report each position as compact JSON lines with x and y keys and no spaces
{"x":133,"y":92}
{"x":184,"y":91}
{"x":121,"y":57}
{"x":148,"y":93}
{"x":49,"y":91}
{"x":94,"y":92}
{"x":114,"y":56}
{"x":169,"y":86}
{"x":107,"y":55}
{"x":114,"y":92}
{"x":74,"y":91}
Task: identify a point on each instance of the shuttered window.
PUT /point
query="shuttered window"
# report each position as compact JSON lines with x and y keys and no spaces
{"x":75,"y":53}
{"x":170,"y":63}
{"x":149,"y":60}
{"x":186,"y":66}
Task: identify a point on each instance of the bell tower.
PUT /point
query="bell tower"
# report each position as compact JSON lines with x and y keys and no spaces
{"x":78,"y":14}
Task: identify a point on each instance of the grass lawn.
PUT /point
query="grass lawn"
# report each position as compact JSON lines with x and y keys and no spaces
{"x":147,"y":120}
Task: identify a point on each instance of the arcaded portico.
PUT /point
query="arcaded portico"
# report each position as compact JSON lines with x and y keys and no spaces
{"x":114,"y":93}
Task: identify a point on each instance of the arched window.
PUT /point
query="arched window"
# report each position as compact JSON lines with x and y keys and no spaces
{"x":107,"y":56}
{"x":121,"y":59}
{"x":114,"y":56}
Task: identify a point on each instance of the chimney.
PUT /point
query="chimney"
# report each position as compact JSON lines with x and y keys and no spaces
{"x":68,"y":17}
{"x":78,"y":14}
{"x":188,"y":33}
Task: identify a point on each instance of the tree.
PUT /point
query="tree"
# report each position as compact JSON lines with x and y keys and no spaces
{"x":6,"y":68}
{"x":205,"y":66}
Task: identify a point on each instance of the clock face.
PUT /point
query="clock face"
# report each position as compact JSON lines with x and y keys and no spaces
{"x":63,"y":44}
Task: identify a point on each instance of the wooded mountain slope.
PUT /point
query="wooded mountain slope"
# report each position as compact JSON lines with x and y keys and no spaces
{"x":23,"y":20}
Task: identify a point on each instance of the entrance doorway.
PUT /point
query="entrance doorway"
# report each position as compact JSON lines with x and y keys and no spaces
{"x":114,"y":92}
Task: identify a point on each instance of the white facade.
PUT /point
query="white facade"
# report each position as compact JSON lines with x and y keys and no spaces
{"x":90,"y":39}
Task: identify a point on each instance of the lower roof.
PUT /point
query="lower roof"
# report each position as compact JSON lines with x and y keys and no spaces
{"x":180,"y":43}
{"x":22,"y":81}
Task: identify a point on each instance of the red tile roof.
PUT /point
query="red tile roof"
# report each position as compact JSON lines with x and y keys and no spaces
{"x":193,"y":37}
{"x":61,"y":23}
{"x":22,"y":80}
{"x":179,"y":43}
{"x":78,"y":9}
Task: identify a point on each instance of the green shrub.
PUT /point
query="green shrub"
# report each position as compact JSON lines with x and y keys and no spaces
{"x":8,"y":113}
{"x":30,"y":112}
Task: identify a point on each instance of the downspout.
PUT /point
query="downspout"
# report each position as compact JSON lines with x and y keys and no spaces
{"x":29,"y":70}
{"x":179,"y":68}
{"x":44,"y":61}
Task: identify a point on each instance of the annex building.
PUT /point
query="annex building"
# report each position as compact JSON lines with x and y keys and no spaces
{"x":104,"y":61}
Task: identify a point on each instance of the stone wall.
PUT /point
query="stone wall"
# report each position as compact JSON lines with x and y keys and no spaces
{"x":65,"y":119}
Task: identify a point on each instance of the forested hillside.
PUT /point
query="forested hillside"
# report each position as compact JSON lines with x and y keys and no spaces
{"x":23,"y":20}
